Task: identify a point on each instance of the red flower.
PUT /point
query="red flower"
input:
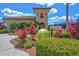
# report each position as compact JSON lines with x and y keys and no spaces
{"x":72,"y":29}
{"x":22,"y":34}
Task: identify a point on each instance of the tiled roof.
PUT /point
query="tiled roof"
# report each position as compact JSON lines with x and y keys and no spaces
{"x":41,"y":8}
{"x":21,"y":17}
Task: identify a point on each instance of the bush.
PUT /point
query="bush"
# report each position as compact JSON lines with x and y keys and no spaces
{"x":58,"y":31}
{"x":2,"y":27}
{"x":14,"y":30}
{"x":22,"y":34}
{"x":72,"y":29}
{"x":22,"y":25}
{"x":57,"y":47}
{"x":43,"y":49}
{"x":3,"y":30}
{"x":28,"y":44}
{"x":24,"y":44}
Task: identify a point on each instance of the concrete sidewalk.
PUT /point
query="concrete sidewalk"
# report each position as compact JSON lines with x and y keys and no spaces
{"x":7,"y":49}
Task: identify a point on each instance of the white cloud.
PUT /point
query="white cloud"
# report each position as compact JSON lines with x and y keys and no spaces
{"x":41,"y":3}
{"x":70,"y":4}
{"x":10,"y":12}
{"x":53,"y":11}
{"x":52,"y":18}
{"x":64,"y":17}
{"x":47,"y":4}
{"x":0,"y":18}
{"x":50,"y":4}
{"x":77,"y":14}
{"x":56,"y":18}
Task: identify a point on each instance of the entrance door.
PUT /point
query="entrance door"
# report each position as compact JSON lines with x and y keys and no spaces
{"x":42,"y":25}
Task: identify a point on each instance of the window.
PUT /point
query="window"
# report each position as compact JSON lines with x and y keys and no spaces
{"x":41,"y":15}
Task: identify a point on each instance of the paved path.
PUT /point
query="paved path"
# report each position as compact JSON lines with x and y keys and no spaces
{"x":7,"y":49}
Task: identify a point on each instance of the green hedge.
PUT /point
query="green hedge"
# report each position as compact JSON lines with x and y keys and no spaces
{"x":57,"y":47}
{"x":3,"y":31}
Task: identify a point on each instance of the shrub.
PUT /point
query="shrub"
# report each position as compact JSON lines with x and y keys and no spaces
{"x":3,"y":30}
{"x":28,"y":44}
{"x":43,"y":49}
{"x":2,"y":27}
{"x":22,"y":25}
{"x":32,"y":30}
{"x":22,"y":34}
{"x":72,"y":29}
{"x":14,"y":30}
{"x":58,"y":31}
{"x":20,"y":45}
{"x":24,"y":44}
{"x":54,"y":47}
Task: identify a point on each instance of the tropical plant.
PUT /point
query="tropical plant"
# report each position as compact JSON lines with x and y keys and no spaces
{"x":22,"y":34}
{"x":22,"y":25}
{"x":28,"y":44}
{"x":13,"y":27}
{"x":72,"y":29}
{"x":32,"y":30}
{"x":58,"y":31}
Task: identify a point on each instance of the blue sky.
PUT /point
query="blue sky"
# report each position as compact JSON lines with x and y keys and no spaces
{"x":56,"y":15}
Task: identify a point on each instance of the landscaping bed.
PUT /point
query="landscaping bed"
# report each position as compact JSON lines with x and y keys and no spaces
{"x":30,"y":50}
{"x":52,"y":47}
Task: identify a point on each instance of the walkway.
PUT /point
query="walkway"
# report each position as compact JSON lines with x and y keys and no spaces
{"x":7,"y":49}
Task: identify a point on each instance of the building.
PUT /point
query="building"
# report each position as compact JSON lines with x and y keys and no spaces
{"x":20,"y":19}
{"x":41,"y":16}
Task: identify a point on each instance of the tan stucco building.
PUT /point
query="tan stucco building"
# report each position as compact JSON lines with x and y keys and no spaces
{"x":41,"y":15}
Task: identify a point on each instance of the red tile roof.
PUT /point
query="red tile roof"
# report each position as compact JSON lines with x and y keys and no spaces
{"x":21,"y":17}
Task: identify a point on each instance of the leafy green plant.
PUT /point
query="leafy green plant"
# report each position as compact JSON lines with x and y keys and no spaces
{"x":43,"y":50}
{"x":28,"y":44}
{"x":3,"y":30}
{"x":20,"y":44}
{"x":57,"y":47}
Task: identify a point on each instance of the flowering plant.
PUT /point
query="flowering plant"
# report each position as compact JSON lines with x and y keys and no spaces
{"x":2,"y":27}
{"x":58,"y":31}
{"x":72,"y":29}
{"x":22,"y":34}
{"x":32,"y":30}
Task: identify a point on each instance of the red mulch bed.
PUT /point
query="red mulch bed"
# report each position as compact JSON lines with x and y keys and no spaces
{"x":30,"y":51}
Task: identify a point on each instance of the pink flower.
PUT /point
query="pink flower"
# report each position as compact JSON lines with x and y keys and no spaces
{"x":72,"y":29}
{"x":58,"y":32}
